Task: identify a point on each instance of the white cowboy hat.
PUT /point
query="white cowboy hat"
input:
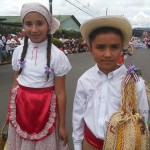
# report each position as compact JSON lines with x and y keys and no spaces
{"x":119,"y":22}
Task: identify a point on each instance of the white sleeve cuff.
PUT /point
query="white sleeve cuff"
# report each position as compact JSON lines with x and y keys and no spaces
{"x":78,"y":146}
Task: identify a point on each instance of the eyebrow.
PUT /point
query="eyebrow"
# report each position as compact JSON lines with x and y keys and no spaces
{"x":35,"y":21}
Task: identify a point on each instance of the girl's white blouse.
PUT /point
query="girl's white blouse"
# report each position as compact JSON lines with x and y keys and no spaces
{"x":33,"y":73}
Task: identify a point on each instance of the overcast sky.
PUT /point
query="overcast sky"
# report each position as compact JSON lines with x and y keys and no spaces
{"x":137,"y":11}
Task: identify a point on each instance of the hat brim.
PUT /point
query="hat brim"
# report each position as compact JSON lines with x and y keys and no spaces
{"x":118,"y":22}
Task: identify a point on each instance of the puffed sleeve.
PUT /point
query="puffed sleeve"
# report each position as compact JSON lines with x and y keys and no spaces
{"x":60,"y":62}
{"x":15,"y":57}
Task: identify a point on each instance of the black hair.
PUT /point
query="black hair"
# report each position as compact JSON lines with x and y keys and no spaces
{"x":100,"y":30}
{"x":24,"y":52}
{"x":25,"y":47}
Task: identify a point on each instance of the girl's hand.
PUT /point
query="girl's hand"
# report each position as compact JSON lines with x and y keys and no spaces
{"x":63,"y":134}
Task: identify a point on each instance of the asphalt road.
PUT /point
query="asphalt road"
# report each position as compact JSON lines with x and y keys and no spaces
{"x":80,"y":63}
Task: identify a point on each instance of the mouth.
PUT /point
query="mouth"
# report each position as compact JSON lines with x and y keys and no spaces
{"x":35,"y":35}
{"x":107,"y":61}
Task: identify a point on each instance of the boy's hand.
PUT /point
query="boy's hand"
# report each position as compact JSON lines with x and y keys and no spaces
{"x":63,"y":134}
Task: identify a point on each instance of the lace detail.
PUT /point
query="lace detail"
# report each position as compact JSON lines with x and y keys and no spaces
{"x":49,"y":127}
{"x":52,"y":142}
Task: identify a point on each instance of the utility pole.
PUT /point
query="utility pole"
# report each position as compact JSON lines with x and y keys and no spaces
{"x":50,"y":6}
{"x":106,"y":11}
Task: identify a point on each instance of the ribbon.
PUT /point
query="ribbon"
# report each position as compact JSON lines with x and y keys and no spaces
{"x":132,"y":72}
{"x":21,"y":63}
{"x":48,"y":70}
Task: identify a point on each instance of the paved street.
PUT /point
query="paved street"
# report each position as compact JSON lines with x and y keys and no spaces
{"x":80,"y":63}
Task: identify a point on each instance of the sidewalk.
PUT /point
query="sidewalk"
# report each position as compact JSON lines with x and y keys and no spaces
{"x":5,"y":62}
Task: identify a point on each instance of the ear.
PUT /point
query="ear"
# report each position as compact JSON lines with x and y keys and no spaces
{"x":90,"y":48}
{"x":122,"y":48}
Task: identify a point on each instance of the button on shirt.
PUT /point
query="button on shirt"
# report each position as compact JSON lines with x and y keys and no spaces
{"x":97,"y":98}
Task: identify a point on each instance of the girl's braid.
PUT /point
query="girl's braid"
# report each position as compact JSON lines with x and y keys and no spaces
{"x":25,"y":47}
{"x":49,"y":39}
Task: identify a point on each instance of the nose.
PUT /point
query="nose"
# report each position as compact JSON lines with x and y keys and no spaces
{"x":107,"y":52}
{"x":34,"y":28}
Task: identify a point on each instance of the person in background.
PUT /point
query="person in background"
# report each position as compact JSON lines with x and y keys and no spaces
{"x":125,"y":53}
{"x":37,"y":106}
{"x":1,"y":49}
{"x":99,"y":90}
{"x":22,"y":36}
{"x":14,"y":41}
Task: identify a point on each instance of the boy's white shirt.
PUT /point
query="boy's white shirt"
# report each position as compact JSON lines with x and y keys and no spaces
{"x":97,"y":97}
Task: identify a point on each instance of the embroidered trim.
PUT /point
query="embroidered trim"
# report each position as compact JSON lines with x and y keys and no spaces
{"x":49,"y":127}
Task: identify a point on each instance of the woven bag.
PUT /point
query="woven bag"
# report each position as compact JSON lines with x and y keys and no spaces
{"x":126,"y":129}
{"x":3,"y":137}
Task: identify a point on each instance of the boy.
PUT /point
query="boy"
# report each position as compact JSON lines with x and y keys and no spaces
{"x":99,"y":89}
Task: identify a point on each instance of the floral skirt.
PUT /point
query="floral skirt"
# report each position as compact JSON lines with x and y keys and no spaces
{"x":52,"y":142}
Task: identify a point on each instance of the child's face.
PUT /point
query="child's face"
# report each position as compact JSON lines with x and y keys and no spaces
{"x":36,"y":27}
{"x":106,"y":49}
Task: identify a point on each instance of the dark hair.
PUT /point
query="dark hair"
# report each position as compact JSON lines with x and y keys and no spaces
{"x":98,"y":31}
{"x":25,"y":47}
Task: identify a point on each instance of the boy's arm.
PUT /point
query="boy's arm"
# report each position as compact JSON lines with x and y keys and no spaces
{"x":142,"y":100}
{"x":79,"y":108}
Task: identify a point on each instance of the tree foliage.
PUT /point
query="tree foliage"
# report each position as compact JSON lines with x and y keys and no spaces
{"x":8,"y":29}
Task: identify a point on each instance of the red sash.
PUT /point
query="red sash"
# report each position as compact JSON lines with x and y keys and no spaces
{"x":92,"y":139}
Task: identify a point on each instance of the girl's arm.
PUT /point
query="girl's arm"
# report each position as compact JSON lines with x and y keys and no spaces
{"x":15,"y":75}
{"x":61,"y":96}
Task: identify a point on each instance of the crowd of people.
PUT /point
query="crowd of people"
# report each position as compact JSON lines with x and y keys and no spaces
{"x":71,"y":46}
{"x":9,"y":42}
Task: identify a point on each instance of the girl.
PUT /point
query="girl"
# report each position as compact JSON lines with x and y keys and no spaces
{"x":38,"y":97}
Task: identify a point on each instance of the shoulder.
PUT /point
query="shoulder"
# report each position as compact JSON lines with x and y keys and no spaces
{"x":56,"y":51}
{"x":89,"y":76}
{"x":58,"y":55}
{"x":140,"y":84}
{"x":18,"y":49}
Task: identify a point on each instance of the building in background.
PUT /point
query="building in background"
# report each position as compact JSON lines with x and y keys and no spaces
{"x":67,"y":22}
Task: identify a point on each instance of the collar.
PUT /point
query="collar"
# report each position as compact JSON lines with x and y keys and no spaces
{"x":119,"y":72}
{"x":44,"y":43}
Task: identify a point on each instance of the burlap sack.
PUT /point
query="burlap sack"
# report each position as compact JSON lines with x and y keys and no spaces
{"x":126,"y":129}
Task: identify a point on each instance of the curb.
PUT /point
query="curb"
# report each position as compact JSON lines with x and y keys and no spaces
{"x":4,"y":63}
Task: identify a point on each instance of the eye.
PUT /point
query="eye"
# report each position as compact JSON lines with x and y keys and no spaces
{"x":115,"y":47}
{"x":100,"y":47}
{"x":39,"y":23}
{"x":28,"y":23}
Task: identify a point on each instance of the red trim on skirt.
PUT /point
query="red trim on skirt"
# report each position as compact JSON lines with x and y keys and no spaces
{"x":92,"y":139}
